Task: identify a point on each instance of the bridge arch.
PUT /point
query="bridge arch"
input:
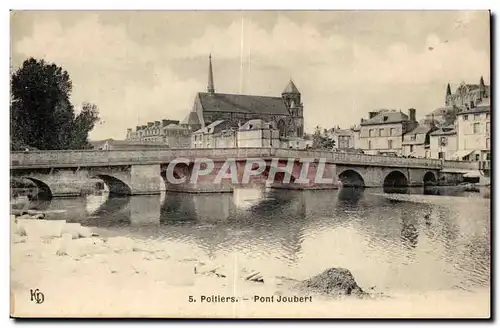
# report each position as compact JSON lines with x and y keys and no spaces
{"x":115,"y":185}
{"x":430,"y":179}
{"x":351,"y":178}
{"x":396,"y":182}
{"x":44,"y":191}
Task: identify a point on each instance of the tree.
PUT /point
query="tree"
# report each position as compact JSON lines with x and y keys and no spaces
{"x":42,"y":115}
{"x":321,"y":140}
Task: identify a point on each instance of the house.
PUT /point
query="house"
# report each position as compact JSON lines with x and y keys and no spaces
{"x":382,"y":132}
{"x":208,"y":136}
{"x":416,"y":143}
{"x":474,"y":134}
{"x":343,"y":138}
{"x":443,"y":143}
{"x":257,"y":133}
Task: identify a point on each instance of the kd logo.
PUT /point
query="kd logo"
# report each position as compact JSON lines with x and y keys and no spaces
{"x":37,"y":296}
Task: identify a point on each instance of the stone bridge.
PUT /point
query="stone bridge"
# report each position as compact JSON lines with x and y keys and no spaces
{"x":136,"y":172}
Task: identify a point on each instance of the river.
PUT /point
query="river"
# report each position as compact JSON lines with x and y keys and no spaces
{"x":438,"y":243}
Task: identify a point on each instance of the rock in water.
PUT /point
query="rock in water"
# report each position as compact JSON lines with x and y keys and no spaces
{"x":334,"y":281}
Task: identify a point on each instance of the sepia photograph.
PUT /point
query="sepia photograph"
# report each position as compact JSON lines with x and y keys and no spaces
{"x":283,"y":164}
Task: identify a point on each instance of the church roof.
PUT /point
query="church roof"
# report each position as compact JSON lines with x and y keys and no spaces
{"x":222,"y":102}
{"x":291,"y":88}
{"x":191,"y":119}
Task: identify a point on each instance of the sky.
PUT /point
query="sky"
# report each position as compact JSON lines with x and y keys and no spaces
{"x":140,"y":66}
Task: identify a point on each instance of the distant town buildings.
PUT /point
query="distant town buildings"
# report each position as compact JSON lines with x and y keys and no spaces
{"x":167,"y":132}
{"x":460,"y":130}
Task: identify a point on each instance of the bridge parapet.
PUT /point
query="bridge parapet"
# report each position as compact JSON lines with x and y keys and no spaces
{"x":76,"y":158}
{"x":362,"y":159}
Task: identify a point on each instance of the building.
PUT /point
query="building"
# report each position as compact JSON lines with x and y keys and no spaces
{"x":257,"y":133}
{"x":382,"y":132}
{"x":467,"y":96}
{"x":474,"y":134}
{"x":443,"y":143}
{"x":111,"y":144}
{"x":217,"y":134}
{"x":166,"y":131}
{"x":344,"y":138}
{"x":285,"y":112}
{"x":416,"y":143}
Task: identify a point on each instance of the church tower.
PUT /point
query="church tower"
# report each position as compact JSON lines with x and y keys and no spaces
{"x":291,"y":97}
{"x":210,"y":85}
{"x":482,"y":88}
{"x":448,"y":100}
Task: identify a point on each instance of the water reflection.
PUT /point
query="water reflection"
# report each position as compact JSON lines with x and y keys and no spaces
{"x":390,"y":244}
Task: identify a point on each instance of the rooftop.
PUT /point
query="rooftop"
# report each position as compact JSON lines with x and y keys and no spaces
{"x":385,"y":117}
{"x":222,"y":102}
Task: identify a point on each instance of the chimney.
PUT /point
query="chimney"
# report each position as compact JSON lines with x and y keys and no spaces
{"x":412,"y":114}
{"x":157,"y":123}
{"x":150,"y":124}
{"x":137,"y":128}
{"x":372,"y":114}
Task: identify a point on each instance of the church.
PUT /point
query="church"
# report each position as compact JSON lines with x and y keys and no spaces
{"x":285,"y":112}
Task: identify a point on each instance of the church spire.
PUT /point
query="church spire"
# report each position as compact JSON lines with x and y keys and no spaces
{"x":448,"y":90}
{"x":481,"y":82}
{"x":210,"y":86}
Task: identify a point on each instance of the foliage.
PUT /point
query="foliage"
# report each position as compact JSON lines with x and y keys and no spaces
{"x":321,"y":139}
{"x":42,"y":115}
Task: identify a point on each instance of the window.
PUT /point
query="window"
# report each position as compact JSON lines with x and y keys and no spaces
{"x":488,"y":143}
{"x":393,"y":132}
{"x":441,"y":155}
{"x":477,"y":157}
{"x":476,"y":127}
{"x":380,"y":132}
{"x":443,"y":141}
{"x":466,"y":117}
{"x":390,"y":144}
{"x":369,"y":144}
{"x":372,"y":133}
{"x":411,"y":148}
{"x":487,"y":127}
{"x":487,"y":116}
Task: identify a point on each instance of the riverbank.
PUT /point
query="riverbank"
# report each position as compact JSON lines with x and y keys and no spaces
{"x":124,"y":277}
